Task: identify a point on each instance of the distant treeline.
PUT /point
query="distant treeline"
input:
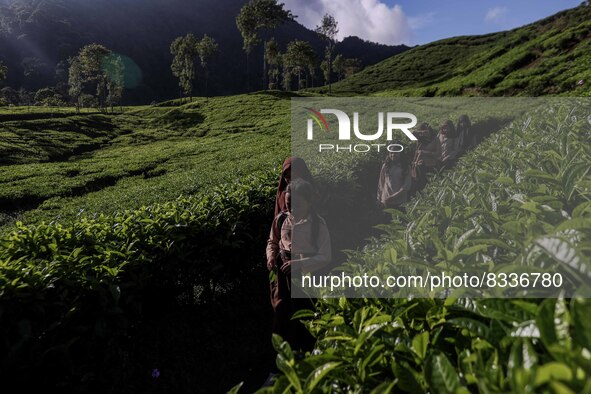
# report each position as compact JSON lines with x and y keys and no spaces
{"x":38,"y":39}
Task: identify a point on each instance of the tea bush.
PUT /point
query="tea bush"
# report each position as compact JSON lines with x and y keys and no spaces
{"x":67,"y":292}
{"x":521,"y":197}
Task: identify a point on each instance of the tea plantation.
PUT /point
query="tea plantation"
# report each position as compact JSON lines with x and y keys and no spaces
{"x":132,"y":243}
{"x":548,"y":57}
{"x":58,"y":165}
{"x":521,"y":198}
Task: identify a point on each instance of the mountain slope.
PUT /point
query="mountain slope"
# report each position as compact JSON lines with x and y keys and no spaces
{"x":550,"y":56}
{"x":35,"y":35}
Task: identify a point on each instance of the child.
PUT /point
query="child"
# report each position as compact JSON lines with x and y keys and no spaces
{"x":298,"y":238}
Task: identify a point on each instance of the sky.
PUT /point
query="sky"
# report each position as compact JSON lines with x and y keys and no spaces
{"x":419,"y":22}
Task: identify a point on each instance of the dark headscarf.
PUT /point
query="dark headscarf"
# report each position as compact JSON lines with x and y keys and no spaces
{"x":448,"y":129}
{"x":292,"y":166}
{"x":464,"y":125}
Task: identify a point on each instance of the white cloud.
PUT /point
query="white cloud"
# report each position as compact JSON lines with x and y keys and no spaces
{"x":368,"y":19}
{"x":495,"y":14}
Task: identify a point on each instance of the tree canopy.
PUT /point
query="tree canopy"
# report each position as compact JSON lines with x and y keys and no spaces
{"x":185,"y":51}
{"x":96,"y":67}
{"x":328,"y":30}
{"x":207,"y":48}
{"x":257,"y":15}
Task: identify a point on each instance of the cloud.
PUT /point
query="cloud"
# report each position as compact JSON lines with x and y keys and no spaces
{"x":368,"y":19}
{"x":495,"y":14}
{"x":421,"y":21}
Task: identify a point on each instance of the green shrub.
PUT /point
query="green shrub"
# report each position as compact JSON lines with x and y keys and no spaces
{"x":68,"y":292}
{"x":528,"y":183}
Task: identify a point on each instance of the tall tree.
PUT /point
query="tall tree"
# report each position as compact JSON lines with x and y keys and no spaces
{"x":324,"y":68}
{"x":273,"y":59}
{"x":61,"y":77}
{"x":116,"y":80}
{"x":352,"y":66}
{"x":246,"y":21}
{"x":92,"y":62}
{"x":338,"y":66}
{"x":328,"y":30}
{"x":300,"y":57}
{"x":345,"y":67}
{"x":184,"y":51}
{"x":75,"y":81}
{"x":96,"y":67}
{"x":257,"y":15}
{"x":207,"y":48}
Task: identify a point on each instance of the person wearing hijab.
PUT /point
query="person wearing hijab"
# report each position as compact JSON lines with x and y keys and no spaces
{"x":464,"y":133}
{"x":395,"y":181}
{"x":299,"y":239}
{"x":449,"y":143}
{"x":293,"y":168}
{"x":427,"y":156}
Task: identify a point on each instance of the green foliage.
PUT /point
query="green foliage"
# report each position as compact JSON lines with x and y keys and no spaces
{"x":96,"y":67}
{"x":48,"y":97}
{"x":206,"y":48}
{"x":328,"y":30}
{"x":256,"y":16}
{"x":274,"y":59}
{"x":75,"y":80}
{"x":247,"y":24}
{"x":67,"y":292}
{"x":60,"y":165}
{"x":298,"y":58}
{"x":345,"y":67}
{"x":185,"y":51}
{"x":548,"y":57}
{"x":520,"y":198}
{"x":114,"y":68}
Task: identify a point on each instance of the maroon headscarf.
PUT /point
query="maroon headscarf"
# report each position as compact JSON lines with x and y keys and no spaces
{"x":292,"y":167}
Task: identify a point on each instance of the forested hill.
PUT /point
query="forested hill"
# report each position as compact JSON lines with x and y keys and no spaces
{"x":35,"y":35}
{"x":548,"y":57}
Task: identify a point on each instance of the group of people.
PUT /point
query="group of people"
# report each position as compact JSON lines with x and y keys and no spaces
{"x":403,"y":174}
{"x":299,"y":241}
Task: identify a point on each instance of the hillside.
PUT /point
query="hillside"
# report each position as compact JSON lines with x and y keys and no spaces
{"x":36,"y":35}
{"x":58,"y":165}
{"x":148,"y":272}
{"x":548,"y":57}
